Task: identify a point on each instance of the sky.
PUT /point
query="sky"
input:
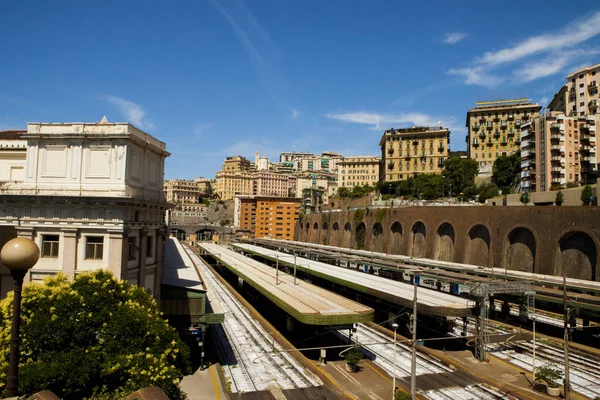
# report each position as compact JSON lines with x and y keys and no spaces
{"x":214,"y":78}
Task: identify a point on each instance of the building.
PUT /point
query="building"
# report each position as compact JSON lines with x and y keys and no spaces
{"x":582,"y":91}
{"x":267,"y":217}
{"x":556,"y":150}
{"x":407,"y":152}
{"x":312,"y":200}
{"x":234,"y":179}
{"x":494,"y":128}
{"x":327,"y":182}
{"x":290,"y":156}
{"x":267,"y":183}
{"x":90,"y":195}
{"x":559,"y":101}
{"x":358,"y":171}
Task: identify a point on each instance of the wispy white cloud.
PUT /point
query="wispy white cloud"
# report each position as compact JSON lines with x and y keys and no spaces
{"x":377,"y":121}
{"x":573,"y":34}
{"x":544,"y":101}
{"x":558,"y":51}
{"x":476,"y":76}
{"x":295,"y":113}
{"x":201,"y":128}
{"x":454,"y":37}
{"x":133,"y":112}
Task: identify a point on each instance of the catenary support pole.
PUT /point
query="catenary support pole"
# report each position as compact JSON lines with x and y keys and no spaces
{"x":413,"y":367}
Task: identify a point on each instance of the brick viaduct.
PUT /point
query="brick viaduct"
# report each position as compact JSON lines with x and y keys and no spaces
{"x":543,"y":240}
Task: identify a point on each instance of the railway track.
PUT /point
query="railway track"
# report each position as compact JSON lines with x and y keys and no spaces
{"x":379,"y":347}
{"x":584,"y":371}
{"x":253,"y":361}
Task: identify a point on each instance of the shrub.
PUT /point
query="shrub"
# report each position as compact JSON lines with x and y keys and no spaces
{"x":559,"y":199}
{"x":586,"y":194}
{"x":524,"y":198}
{"x":94,"y":336}
{"x":548,"y":374}
{"x":353,"y":359}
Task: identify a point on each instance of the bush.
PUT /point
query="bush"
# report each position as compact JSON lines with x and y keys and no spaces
{"x":353,"y":359}
{"x":548,"y":374}
{"x":525,"y":198}
{"x":559,"y":199}
{"x":94,"y":336}
{"x":586,"y":194}
{"x":401,"y":395}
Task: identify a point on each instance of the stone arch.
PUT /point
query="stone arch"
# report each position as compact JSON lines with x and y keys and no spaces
{"x":520,"y":250}
{"x":347,"y":236}
{"x":336,"y":235}
{"x":478,"y":246}
{"x":576,"y":255}
{"x":419,"y":240}
{"x":396,"y":238}
{"x":377,"y":237}
{"x":360,"y":235}
{"x":444,"y":246}
{"x":314,"y":234}
{"x":325,"y":235}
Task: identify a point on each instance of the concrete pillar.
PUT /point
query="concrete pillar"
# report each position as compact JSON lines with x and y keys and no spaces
{"x":505,"y":309}
{"x":117,"y":253}
{"x":69,"y":254}
{"x":143,"y":249}
{"x":159,"y":258}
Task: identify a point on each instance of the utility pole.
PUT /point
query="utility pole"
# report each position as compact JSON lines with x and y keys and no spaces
{"x":567,"y":383}
{"x":413,"y":367}
{"x":294,"y":268}
{"x":277,"y":268}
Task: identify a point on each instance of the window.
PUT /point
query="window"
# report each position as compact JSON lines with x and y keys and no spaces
{"x":50,"y":246}
{"x":94,"y":247}
{"x":131,"y":248}
{"x":150,"y":246}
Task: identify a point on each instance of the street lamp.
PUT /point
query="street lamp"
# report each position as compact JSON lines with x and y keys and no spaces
{"x":18,"y":255}
{"x":395,"y":326}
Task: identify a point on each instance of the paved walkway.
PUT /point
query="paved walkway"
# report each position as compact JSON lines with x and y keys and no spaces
{"x":204,"y":385}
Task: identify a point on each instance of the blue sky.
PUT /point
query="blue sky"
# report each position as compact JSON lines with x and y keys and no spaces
{"x":220,"y":78}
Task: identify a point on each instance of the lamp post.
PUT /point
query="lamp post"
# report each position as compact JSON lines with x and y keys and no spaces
{"x":395,"y":326}
{"x":18,"y":255}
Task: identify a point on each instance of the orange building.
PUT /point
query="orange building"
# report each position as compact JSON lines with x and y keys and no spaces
{"x":267,"y":217}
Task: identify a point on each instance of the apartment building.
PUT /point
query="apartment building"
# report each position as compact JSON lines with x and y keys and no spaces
{"x":556,"y":150}
{"x":290,"y":156}
{"x":90,"y":195}
{"x":409,"y":151}
{"x":303,"y":162}
{"x":494,"y":128}
{"x":358,"y":171}
{"x":327,"y":182}
{"x":234,"y":178}
{"x":267,"y":183}
{"x":582,"y":91}
{"x":267,"y":217}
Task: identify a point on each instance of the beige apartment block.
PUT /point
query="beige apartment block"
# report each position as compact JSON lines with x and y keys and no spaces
{"x":556,"y":150}
{"x":582,"y":91}
{"x":494,"y":128}
{"x":90,"y":195}
{"x":358,"y":171}
{"x":234,"y":178}
{"x":327,"y":182}
{"x":409,"y":151}
{"x":270,"y":184}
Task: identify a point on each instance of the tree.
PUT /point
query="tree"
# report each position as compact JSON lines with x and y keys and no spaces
{"x":430,"y":186}
{"x":95,"y":336}
{"x":587,"y":194}
{"x":559,"y":199}
{"x":353,"y":359}
{"x":505,"y":172}
{"x":460,"y":173}
{"x":524,"y":198}
{"x":343,"y":192}
{"x":487,"y":191}
{"x":548,"y":374}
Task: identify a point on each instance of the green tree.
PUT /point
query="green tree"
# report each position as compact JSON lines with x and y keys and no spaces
{"x":487,"y":191}
{"x":559,"y":199}
{"x":525,"y":198}
{"x":343,"y":192}
{"x":95,"y":336}
{"x":586,"y":194}
{"x":401,"y":395}
{"x":506,"y":171}
{"x":353,"y":359}
{"x":460,"y":173}
{"x":430,"y":186}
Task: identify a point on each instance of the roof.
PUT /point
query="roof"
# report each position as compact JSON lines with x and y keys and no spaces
{"x":12,"y":134}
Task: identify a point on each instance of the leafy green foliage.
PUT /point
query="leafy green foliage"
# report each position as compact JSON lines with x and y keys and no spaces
{"x":556,"y":186}
{"x":354,"y":358}
{"x":586,"y":194}
{"x":358,"y":216}
{"x":525,"y":199}
{"x":356,"y":192}
{"x":548,"y":374}
{"x":559,"y":199}
{"x":94,"y":336}
{"x":572,"y":185}
{"x":506,"y":171}
{"x":379,"y":214}
{"x":401,"y":395}
{"x":459,"y":173}
{"x":487,"y":191}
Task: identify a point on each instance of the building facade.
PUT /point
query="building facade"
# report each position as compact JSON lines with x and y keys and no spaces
{"x":582,"y":91}
{"x":358,"y":171}
{"x":270,"y":184}
{"x":556,"y":150}
{"x":494,"y":128}
{"x":267,"y":217}
{"x":91,"y":196}
{"x":407,"y":152}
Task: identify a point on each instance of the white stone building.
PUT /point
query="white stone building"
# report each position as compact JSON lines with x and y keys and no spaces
{"x":90,"y":195}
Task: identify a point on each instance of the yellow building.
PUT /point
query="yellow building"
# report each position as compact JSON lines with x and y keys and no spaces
{"x":582,"y":91}
{"x":409,"y":151}
{"x":358,"y":171}
{"x":234,"y":178}
{"x":494,"y":128}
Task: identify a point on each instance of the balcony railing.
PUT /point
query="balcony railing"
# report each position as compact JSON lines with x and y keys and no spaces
{"x":592,"y":85}
{"x":593,"y":103}
{"x":496,"y":133}
{"x":511,"y":116}
{"x":585,"y":126}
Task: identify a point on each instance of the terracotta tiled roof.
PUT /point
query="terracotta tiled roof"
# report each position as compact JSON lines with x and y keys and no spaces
{"x":11,"y":134}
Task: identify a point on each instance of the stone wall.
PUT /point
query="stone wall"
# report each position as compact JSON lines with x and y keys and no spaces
{"x":543,"y":240}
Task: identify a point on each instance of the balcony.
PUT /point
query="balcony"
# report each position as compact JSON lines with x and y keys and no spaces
{"x":407,"y":156}
{"x":518,"y":123}
{"x":572,"y":91}
{"x":555,"y":158}
{"x":489,"y":126}
{"x":556,"y":147}
{"x":572,"y":113}
{"x":503,"y":125}
{"x":496,"y":133}
{"x":496,"y":118}
{"x":525,"y":116}
{"x":482,"y":134}
{"x":511,"y":116}
{"x":586,"y":159}
{"x":525,"y":153}
{"x":593,"y":104}
{"x":524,"y":174}
{"x":555,"y":125}
{"x":585,"y":147}
{"x":592,"y":85}
{"x":475,"y":127}
{"x":390,"y":151}
{"x":391,"y":165}
{"x":441,"y":148}
{"x":557,"y":169}
{"x":475,"y":142}
{"x":585,"y":126}
{"x":556,"y":136}
{"x":525,"y":184}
